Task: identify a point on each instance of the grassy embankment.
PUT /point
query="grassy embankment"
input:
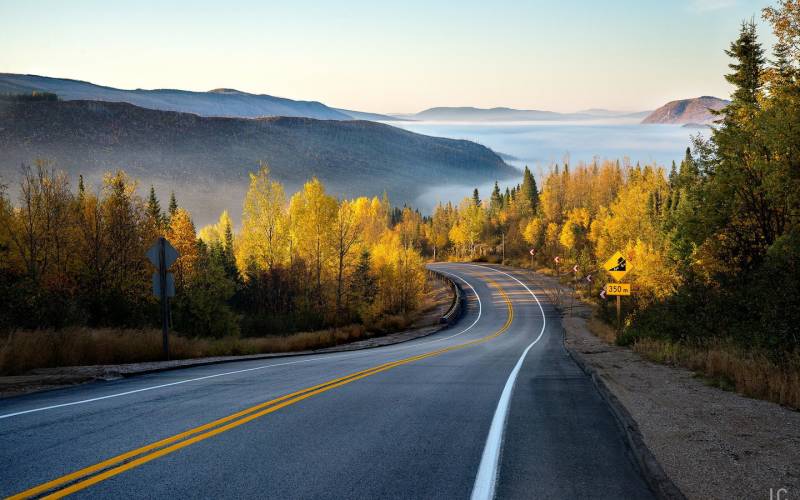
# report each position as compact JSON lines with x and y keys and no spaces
{"x":25,"y":350}
{"x":721,"y":364}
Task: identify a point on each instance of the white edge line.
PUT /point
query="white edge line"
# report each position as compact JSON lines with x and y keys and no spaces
{"x":179,"y":382}
{"x":486,"y":479}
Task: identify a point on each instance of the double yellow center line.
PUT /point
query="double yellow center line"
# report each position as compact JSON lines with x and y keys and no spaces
{"x":83,"y":478}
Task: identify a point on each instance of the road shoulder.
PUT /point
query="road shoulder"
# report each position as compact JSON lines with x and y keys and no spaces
{"x":710,"y":443}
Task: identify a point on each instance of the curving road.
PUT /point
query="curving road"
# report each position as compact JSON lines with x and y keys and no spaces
{"x":492,"y":406}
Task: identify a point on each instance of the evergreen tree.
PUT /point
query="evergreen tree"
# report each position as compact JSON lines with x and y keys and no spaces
{"x":496,"y":201}
{"x":363,"y":285}
{"x":476,"y":199}
{"x":228,"y":258}
{"x":529,"y":191}
{"x":783,"y":72}
{"x":673,"y":175}
{"x":173,"y":205}
{"x":154,"y":208}
{"x":747,"y":66}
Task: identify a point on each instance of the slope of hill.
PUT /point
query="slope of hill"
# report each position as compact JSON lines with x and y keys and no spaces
{"x":217,"y":102}
{"x":207,"y":155}
{"x":695,"y":110}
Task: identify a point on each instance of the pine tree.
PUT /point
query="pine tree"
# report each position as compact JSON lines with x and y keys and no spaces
{"x":496,"y":201}
{"x":364,"y":285}
{"x":747,"y":66}
{"x":228,"y":258}
{"x":529,"y":191}
{"x":154,"y":208}
{"x":673,"y":175}
{"x":173,"y":205}
{"x":476,"y":199}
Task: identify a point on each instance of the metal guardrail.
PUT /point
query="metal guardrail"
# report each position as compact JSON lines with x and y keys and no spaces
{"x":457,"y":306}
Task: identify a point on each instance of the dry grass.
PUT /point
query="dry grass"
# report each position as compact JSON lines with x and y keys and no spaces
{"x":602,"y":329}
{"x":26,"y":350}
{"x":728,"y":367}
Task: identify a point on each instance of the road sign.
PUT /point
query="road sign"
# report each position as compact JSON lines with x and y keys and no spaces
{"x":618,"y":289}
{"x":575,"y":269}
{"x":170,"y":254}
{"x":603,"y":294}
{"x":170,"y":285}
{"x":557,"y":259}
{"x":533,"y":251}
{"x":163,"y":255}
{"x":589,"y":278}
{"x":617,"y":266}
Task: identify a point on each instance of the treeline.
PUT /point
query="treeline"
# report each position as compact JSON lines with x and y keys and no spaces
{"x":34,"y":96}
{"x":77,"y":257}
{"x":714,"y":242}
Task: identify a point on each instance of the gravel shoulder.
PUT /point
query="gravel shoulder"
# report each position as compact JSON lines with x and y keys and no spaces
{"x":709,"y":442}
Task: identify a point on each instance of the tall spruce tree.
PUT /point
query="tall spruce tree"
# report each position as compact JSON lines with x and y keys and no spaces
{"x":154,"y":208}
{"x":529,"y":191}
{"x":747,"y":66}
{"x":173,"y":205}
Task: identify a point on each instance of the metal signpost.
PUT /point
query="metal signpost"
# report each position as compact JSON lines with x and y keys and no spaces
{"x":617,"y":266}
{"x":162,"y":255}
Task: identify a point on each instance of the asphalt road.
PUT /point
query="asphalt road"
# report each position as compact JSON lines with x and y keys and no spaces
{"x":492,"y":406}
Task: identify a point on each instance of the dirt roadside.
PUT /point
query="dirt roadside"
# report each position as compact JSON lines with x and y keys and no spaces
{"x":439,"y":301}
{"x":710,"y":443}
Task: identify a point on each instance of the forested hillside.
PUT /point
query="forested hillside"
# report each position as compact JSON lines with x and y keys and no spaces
{"x":188,"y":152}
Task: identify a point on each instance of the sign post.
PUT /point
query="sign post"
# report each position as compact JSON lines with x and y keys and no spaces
{"x":618,"y":266}
{"x":503,"y":262}
{"x":162,"y":255}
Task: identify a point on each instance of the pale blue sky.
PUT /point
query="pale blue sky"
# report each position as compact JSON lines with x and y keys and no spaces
{"x":562,"y":55}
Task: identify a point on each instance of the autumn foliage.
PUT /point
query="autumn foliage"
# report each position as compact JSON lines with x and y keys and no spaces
{"x":76,"y":257}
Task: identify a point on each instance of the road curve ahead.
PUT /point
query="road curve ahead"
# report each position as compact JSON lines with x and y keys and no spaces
{"x":492,"y":406}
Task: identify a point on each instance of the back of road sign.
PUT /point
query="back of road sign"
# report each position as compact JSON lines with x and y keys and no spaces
{"x":170,"y":285}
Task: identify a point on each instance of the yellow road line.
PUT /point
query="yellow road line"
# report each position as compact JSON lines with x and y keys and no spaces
{"x":211,"y":429}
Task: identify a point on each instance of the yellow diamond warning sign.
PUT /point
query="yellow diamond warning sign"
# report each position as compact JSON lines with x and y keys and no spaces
{"x":617,"y":266}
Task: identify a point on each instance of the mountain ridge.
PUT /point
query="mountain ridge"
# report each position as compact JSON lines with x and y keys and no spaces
{"x":224,"y":102}
{"x":188,"y":152}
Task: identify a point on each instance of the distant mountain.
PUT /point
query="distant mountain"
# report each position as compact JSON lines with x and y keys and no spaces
{"x":206,"y":160}
{"x":695,"y":110}
{"x":608,"y":113}
{"x":217,"y":102}
{"x":373,"y":117}
{"x":493,"y":114}
{"x":471,"y":114}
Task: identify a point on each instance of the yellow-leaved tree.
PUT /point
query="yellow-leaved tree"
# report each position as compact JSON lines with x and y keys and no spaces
{"x":313,"y":213}
{"x":265,"y":231}
{"x":182,"y":235}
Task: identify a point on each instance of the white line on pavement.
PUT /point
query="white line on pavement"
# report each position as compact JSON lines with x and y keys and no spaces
{"x":486,"y":479}
{"x":328,"y":357}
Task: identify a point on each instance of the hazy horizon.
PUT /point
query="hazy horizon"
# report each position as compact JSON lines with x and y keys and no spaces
{"x":390,"y":58}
